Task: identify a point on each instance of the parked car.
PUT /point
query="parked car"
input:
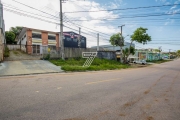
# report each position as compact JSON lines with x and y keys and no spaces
{"x":143,"y":62}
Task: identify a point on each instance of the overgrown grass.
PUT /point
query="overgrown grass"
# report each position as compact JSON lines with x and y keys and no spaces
{"x":98,"y":64}
{"x":159,"y":61}
{"x":16,"y":52}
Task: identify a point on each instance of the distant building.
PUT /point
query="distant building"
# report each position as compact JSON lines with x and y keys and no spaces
{"x":2,"y":32}
{"x":113,"y":48}
{"x":148,"y":54}
{"x":35,"y":41}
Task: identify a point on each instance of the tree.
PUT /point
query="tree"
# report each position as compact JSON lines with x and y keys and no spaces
{"x":178,"y":53}
{"x":117,"y":40}
{"x":16,"y":30}
{"x":126,"y":52}
{"x":156,"y":50}
{"x":139,"y":36}
{"x":10,"y":37}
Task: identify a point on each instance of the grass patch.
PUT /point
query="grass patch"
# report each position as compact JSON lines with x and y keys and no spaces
{"x":159,"y":61}
{"x":16,"y":52}
{"x":98,"y":64}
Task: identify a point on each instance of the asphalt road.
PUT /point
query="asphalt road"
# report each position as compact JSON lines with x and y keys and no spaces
{"x":151,"y":93}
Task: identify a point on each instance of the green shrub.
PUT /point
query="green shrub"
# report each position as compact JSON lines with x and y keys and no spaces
{"x":6,"y":52}
{"x":47,"y":57}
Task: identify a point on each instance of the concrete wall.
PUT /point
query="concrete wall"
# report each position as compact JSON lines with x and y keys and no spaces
{"x":1,"y":45}
{"x":110,"y":55}
{"x":2,"y":33}
{"x":13,"y":47}
{"x":76,"y":52}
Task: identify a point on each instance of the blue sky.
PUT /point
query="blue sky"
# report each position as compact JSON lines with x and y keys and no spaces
{"x":164,"y":29}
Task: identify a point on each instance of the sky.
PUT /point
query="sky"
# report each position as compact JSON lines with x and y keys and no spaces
{"x":160,"y":17}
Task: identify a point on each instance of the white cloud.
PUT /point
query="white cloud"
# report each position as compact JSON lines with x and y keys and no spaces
{"x":52,"y":7}
{"x":173,"y":7}
{"x":160,"y":0}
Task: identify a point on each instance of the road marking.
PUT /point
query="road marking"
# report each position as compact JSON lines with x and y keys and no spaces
{"x":37,"y":91}
{"x":102,"y":81}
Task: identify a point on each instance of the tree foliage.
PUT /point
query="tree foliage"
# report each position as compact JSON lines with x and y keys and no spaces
{"x":178,"y":52}
{"x":10,"y":37}
{"x":16,"y":30}
{"x":117,"y":40}
{"x":157,"y":50}
{"x":140,"y":36}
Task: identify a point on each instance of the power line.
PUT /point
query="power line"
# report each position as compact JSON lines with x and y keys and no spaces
{"x":26,"y":11}
{"x":25,"y":14}
{"x":125,"y":8}
{"x":130,"y":17}
{"x":47,"y":14}
{"x":34,"y":8}
{"x":87,"y":28}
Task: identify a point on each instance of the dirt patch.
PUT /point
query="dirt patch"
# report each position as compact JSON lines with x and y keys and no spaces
{"x":148,"y":106}
{"x":122,"y":114}
{"x":147,"y":91}
{"x":150,"y":118}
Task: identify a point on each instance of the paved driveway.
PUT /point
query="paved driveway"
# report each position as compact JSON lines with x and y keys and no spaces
{"x":27,"y":67}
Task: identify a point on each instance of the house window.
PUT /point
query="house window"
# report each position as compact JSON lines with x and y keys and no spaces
{"x":36,"y":49}
{"x":35,"y":35}
{"x":50,"y":37}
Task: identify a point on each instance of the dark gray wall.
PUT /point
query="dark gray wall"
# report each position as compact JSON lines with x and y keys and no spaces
{"x":110,"y":55}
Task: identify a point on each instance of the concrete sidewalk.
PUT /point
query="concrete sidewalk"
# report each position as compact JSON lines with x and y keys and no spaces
{"x":26,"y":67}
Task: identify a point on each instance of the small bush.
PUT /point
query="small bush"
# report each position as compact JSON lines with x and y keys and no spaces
{"x":6,"y":52}
{"x":47,"y":57}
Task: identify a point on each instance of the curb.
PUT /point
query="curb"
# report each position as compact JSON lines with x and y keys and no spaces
{"x":31,"y":74}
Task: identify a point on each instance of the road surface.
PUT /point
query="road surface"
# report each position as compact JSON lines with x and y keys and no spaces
{"x":150,"y":93}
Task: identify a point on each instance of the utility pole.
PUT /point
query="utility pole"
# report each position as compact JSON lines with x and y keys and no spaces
{"x":169,"y":53}
{"x":61,"y":42}
{"x":79,"y":39}
{"x":121,"y":28}
{"x":98,"y":42}
{"x":159,"y":51}
{"x":119,"y":42}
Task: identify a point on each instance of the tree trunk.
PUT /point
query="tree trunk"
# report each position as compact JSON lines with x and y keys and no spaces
{"x":129,"y":50}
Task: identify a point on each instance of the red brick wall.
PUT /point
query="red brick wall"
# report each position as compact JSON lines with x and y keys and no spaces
{"x":57,"y":40}
{"x":29,"y":41}
{"x":44,"y":36}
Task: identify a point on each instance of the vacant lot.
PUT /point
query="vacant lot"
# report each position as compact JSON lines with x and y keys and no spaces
{"x":97,"y":64}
